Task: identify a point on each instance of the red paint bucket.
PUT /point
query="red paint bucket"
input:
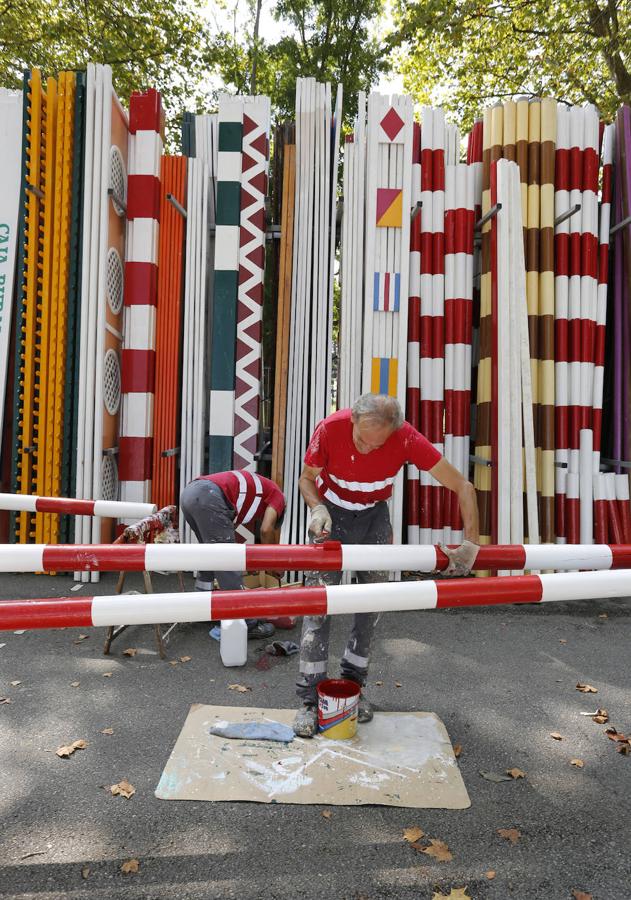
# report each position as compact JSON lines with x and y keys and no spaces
{"x":338,"y":700}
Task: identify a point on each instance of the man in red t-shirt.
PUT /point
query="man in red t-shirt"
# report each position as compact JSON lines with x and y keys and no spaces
{"x":350,"y":466}
{"x":214,"y":505}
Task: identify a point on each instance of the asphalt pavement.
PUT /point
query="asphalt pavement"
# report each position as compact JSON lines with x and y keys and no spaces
{"x":501,"y":678}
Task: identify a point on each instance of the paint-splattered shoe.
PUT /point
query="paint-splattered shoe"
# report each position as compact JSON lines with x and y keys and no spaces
{"x":365,"y":710}
{"x":306,"y":722}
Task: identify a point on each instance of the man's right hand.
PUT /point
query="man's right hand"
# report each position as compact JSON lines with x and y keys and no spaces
{"x":320,"y":524}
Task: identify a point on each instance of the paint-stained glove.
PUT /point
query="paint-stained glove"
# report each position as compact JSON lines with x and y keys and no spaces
{"x":320,"y":523}
{"x":461,"y":559}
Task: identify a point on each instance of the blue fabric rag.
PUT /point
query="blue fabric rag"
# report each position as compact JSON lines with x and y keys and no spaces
{"x":257,"y":731}
{"x":215,"y":633}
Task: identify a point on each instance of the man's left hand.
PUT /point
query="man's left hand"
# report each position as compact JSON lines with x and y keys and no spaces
{"x":461,"y":560}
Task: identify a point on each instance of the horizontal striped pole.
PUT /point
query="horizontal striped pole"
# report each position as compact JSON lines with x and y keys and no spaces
{"x":329,"y":556}
{"x":112,"y":509}
{"x":201,"y":606}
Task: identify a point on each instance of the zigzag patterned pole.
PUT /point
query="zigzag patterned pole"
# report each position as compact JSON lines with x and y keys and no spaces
{"x":329,"y":556}
{"x":201,"y":606}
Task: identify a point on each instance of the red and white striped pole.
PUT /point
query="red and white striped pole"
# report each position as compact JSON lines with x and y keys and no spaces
{"x":112,"y":509}
{"x":201,"y":606}
{"x":329,"y":556}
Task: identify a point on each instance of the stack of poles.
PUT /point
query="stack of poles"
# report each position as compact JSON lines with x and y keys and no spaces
{"x":619,"y":376}
{"x":29,"y":296}
{"x":352,"y":262}
{"x":389,"y":138}
{"x":310,"y":346}
{"x":169,"y":330}
{"x":146,"y":124}
{"x":525,"y":132}
{"x":195,"y":328}
{"x":432,"y":310}
{"x":285,"y":148}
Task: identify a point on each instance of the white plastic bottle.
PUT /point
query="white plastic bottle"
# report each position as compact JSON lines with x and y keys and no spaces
{"x":233,"y":645}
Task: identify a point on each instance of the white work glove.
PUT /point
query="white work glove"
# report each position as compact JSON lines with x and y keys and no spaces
{"x":461,"y":559}
{"x":320,"y":523}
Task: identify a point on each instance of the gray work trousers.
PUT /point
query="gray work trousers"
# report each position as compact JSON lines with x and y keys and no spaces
{"x":369,"y":526}
{"x":211,"y":517}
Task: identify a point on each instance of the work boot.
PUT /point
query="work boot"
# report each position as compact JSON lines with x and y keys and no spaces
{"x":306,"y":722}
{"x":257,"y":629}
{"x":365,"y":710}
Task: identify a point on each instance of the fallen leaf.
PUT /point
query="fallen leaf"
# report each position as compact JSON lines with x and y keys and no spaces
{"x":581,"y":895}
{"x":412,"y":834}
{"x":556,"y":736}
{"x":457,"y":750}
{"x":173,"y":662}
{"x":124,"y":789}
{"x":108,"y":731}
{"x":184,"y":659}
{"x":15,"y":683}
{"x":132,"y":865}
{"x":75,"y":683}
{"x":495,"y":777}
{"x":107,"y":674}
{"x":5,"y":700}
{"x":70,"y":749}
{"x":454,"y":894}
{"x":601,"y":716}
{"x":603,"y":616}
{"x":490,"y":874}
{"x":510,"y":834}
{"x":561,"y":641}
{"x":586,"y":688}
{"x":439,"y":850}
{"x":625,"y":749}
{"x":577,"y":762}
{"x":241,"y":688}
{"x":398,"y":684}
{"x":515,"y":773}
{"x":85,"y":871}
{"x":130,"y":651}
{"x":326,"y":813}
{"x":614,"y":735}
{"x":379,"y":683}
{"x":82,"y":637}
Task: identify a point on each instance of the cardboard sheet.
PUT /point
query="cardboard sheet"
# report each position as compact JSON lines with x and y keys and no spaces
{"x":398,"y":759}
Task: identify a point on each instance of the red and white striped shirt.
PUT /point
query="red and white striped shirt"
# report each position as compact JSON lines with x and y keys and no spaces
{"x":249,"y":493}
{"x":355,"y":480}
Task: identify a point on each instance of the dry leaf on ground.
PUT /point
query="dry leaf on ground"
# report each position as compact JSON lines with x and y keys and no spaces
{"x":398,"y":684}
{"x":75,"y":683}
{"x":132,"y":865}
{"x":454,"y":894}
{"x":577,"y":762}
{"x":184,"y":659}
{"x":124,"y":789}
{"x":601,"y":716}
{"x":457,"y":750}
{"x":556,"y":735}
{"x":603,"y":616}
{"x":581,"y":895}
{"x":490,"y":874}
{"x":614,"y":735}
{"x":15,"y":683}
{"x":625,"y":749}
{"x":412,"y":834}
{"x":515,"y":773}
{"x":85,"y":871}
{"x":107,"y":674}
{"x":241,"y":688}
{"x":107,"y":731}
{"x":130,"y":651}
{"x":326,"y":813}
{"x":5,"y":700}
{"x":510,"y":834}
{"x":439,"y":850}
{"x":495,"y":777}
{"x":174,"y":662}
{"x":586,"y":688}
{"x":82,"y":637}
{"x":378,"y":683}
{"x":562,"y":641}
{"x":70,"y":749}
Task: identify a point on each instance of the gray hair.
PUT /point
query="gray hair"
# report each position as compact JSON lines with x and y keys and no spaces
{"x":382,"y":408}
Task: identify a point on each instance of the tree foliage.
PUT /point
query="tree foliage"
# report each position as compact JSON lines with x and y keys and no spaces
{"x":468,"y":53}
